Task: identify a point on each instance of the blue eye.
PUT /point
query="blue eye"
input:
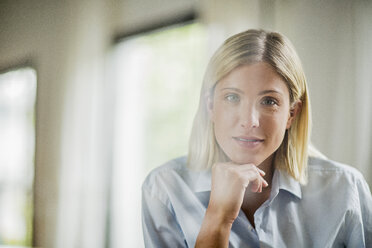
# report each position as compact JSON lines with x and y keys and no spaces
{"x":232,"y":98}
{"x":269,"y":102}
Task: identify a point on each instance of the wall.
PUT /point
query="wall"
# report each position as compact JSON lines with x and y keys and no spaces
{"x":34,"y":32}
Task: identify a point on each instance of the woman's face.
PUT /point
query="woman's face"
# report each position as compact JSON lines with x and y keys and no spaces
{"x":250,"y":110}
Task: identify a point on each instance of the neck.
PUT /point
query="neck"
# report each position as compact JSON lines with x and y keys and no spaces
{"x":268,"y":167}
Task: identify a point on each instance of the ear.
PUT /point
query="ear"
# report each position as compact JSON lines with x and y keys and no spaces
{"x":208,"y":98}
{"x":293,"y":112}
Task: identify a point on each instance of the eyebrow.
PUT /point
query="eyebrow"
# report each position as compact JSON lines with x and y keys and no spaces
{"x":234,"y":89}
{"x":270,"y":91}
{"x":261,"y":93}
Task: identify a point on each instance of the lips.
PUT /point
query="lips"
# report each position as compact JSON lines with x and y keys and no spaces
{"x":248,"y":142}
{"x":248,"y":139}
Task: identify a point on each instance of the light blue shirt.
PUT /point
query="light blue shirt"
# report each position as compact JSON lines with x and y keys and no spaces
{"x":333,"y":210}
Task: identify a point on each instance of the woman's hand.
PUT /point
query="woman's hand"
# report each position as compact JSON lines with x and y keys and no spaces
{"x":229,"y":183}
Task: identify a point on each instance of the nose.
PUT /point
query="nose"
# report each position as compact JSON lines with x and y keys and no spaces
{"x":249,"y":117}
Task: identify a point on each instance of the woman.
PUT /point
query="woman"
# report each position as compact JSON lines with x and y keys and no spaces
{"x":249,"y":179}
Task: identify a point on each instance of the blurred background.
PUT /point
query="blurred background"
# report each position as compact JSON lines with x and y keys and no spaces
{"x":94,"y":94}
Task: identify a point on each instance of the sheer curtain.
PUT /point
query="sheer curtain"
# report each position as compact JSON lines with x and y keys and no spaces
{"x":85,"y":131}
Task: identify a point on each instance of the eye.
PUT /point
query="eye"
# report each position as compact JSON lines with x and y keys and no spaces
{"x":269,"y":102}
{"x":232,"y":98}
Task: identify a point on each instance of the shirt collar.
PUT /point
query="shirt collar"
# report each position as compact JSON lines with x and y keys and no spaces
{"x":281,"y":180}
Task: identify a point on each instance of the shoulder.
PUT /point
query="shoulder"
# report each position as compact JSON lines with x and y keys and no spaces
{"x":332,"y":179}
{"x":165,"y":178}
{"x":175,"y":166}
{"x":326,"y":168}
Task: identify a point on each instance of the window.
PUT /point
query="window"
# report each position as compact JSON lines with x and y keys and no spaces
{"x":158,"y":79}
{"x":17,"y":146}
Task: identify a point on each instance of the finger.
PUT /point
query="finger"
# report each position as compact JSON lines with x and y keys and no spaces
{"x":260,"y":189}
{"x":248,"y":167}
{"x":264,"y":183}
{"x":250,"y":174}
{"x":261,"y":185}
{"x":255,"y":185}
{"x":262,"y":173}
{"x":258,"y":184}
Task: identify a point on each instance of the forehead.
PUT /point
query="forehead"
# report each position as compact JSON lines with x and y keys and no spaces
{"x":257,"y":76}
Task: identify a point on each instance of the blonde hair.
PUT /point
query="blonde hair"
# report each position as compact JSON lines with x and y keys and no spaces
{"x":250,"y":47}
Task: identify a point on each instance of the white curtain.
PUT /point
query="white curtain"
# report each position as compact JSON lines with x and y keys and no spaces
{"x":85,"y":131}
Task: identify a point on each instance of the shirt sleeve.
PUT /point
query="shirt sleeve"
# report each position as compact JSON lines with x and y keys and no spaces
{"x":366,"y":210}
{"x":360,"y":231}
{"x":160,"y":227}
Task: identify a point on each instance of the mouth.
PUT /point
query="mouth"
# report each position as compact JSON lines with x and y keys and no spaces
{"x":248,"y":142}
{"x":248,"y":139}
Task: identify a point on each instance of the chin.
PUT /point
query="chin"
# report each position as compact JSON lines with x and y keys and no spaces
{"x":245,"y":160}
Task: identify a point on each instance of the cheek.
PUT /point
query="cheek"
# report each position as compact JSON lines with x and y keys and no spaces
{"x":275,"y":125}
{"x":223,"y":116}
{"x":224,"y":121}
